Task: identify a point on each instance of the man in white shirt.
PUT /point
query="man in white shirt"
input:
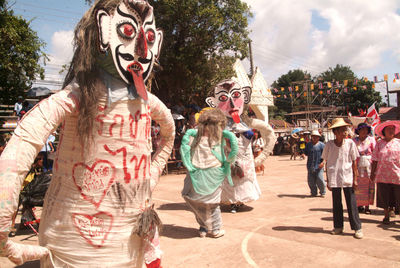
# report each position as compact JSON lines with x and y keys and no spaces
{"x":18,"y":105}
{"x":340,"y":155}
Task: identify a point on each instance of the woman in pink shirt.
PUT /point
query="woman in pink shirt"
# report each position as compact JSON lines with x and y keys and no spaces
{"x":366,"y":188}
{"x":386,"y":166}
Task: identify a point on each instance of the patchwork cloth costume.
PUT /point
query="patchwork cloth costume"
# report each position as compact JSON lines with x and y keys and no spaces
{"x":230,"y":98}
{"x":202,"y":185}
{"x":97,"y":211}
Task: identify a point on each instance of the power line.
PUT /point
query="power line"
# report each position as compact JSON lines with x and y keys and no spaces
{"x":48,"y":8}
{"x":286,"y":59}
{"x":50,"y":20}
{"x":291,"y":63}
{"x":47,"y":14}
{"x":300,"y":59}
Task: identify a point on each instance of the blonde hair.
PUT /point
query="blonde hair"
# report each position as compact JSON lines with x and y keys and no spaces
{"x":211,"y":124}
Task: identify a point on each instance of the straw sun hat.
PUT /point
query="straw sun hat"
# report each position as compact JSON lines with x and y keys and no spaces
{"x":315,"y":133}
{"x":338,"y":122}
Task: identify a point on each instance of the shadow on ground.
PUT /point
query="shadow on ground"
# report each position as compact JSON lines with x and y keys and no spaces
{"x":227,"y":208}
{"x":321,"y":209}
{"x":174,"y":206}
{"x":30,"y":264}
{"x":178,"y":232}
{"x":294,"y":195}
{"x":301,"y":229}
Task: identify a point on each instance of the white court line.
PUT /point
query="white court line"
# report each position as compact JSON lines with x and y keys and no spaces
{"x":245,"y":241}
{"x":252,"y":263}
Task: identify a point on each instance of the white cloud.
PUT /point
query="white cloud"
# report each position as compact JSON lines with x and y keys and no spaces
{"x":61,"y":47}
{"x":61,"y":52}
{"x":284,"y":37}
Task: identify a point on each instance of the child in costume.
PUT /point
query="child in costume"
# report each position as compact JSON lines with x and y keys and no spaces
{"x":207,"y":168}
{"x":231,"y":98}
{"x":98,"y":210}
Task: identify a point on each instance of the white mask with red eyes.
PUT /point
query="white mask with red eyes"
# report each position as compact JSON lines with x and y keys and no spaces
{"x":230,"y":98}
{"x":131,"y":36}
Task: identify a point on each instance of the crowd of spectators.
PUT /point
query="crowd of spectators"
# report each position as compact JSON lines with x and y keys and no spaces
{"x":184,"y":117}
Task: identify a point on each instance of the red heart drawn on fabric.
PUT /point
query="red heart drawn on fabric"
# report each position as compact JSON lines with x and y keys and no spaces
{"x":93,"y":228}
{"x":93,"y":182}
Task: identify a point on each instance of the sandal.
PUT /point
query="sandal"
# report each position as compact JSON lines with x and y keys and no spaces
{"x":386,"y":220}
{"x":368,"y":211}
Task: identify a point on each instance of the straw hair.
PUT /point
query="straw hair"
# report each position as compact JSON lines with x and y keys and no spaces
{"x":84,"y":69}
{"x":212,"y":122}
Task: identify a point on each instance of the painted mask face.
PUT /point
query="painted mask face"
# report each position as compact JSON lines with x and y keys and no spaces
{"x":133,"y":40}
{"x":230,"y":98}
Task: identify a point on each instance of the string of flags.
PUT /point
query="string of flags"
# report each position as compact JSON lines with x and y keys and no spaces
{"x":321,"y":88}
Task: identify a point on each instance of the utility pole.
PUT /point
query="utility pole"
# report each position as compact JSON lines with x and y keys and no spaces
{"x":387,"y":90}
{"x":306,"y":89}
{"x":251,"y":60}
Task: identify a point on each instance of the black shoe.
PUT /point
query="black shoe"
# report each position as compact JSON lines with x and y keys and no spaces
{"x":234,"y":208}
{"x":386,"y":220}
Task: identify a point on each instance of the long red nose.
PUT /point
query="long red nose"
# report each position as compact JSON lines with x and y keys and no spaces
{"x":141,"y":44}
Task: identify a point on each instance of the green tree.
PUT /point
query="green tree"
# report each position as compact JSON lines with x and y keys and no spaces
{"x":292,"y":102}
{"x":20,"y":53}
{"x":352,"y":100}
{"x":201,"y":41}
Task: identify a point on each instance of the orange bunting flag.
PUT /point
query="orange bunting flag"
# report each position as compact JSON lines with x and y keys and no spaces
{"x":312,"y":86}
{"x":394,"y":80}
{"x":296,"y":88}
{"x":385,"y":77}
{"x":329,"y":84}
{"x":337,"y":90}
{"x":354,"y":88}
{"x":321,"y":92}
{"x":373,"y":85}
{"x":305,"y":94}
{"x":282,"y":89}
{"x":345,"y":82}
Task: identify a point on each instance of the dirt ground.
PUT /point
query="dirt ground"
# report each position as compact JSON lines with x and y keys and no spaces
{"x":284,"y":228}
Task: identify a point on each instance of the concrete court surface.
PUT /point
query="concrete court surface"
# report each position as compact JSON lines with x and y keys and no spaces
{"x":284,"y":228}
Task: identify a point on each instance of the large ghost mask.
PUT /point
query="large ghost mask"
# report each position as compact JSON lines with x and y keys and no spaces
{"x":131,"y":36}
{"x":230,"y":98}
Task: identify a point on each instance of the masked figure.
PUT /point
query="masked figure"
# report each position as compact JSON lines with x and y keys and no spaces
{"x":98,"y":209}
{"x":231,"y":98}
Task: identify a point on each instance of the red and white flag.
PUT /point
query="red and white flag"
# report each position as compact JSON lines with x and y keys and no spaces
{"x":373,"y":114}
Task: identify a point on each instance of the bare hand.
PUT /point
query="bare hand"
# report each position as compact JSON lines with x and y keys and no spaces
{"x":355,"y":185}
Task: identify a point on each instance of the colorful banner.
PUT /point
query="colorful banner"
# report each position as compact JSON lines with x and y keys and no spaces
{"x":330,"y":87}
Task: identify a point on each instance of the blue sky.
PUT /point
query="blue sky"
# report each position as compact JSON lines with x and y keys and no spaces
{"x":312,"y":35}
